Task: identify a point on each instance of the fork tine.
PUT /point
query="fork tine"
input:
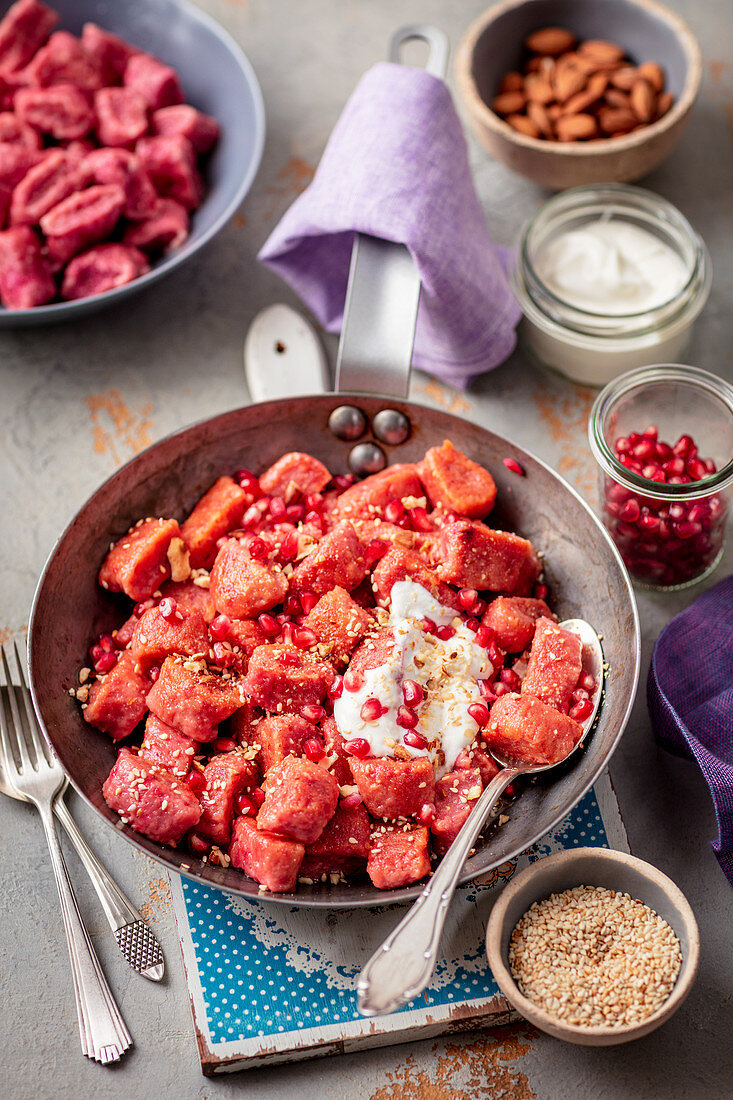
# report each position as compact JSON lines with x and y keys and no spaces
{"x":15,"y":725}
{"x":30,"y":715}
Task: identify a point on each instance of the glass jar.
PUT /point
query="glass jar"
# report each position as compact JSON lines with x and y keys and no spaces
{"x":596,"y":347}
{"x":667,"y":520}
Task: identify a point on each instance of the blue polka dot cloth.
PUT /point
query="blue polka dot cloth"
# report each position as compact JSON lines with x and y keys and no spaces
{"x":257,"y":970}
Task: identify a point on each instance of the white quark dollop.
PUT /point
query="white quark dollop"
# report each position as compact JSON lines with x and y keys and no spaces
{"x":446,"y":670}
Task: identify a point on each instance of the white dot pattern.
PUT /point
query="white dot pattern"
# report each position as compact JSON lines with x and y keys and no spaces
{"x":250,"y":988}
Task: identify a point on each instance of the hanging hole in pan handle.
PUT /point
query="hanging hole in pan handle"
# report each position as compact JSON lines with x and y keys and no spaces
{"x":435,"y":39}
{"x":383,"y":292}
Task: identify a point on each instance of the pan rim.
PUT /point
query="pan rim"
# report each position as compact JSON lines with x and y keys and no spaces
{"x":400,"y":895}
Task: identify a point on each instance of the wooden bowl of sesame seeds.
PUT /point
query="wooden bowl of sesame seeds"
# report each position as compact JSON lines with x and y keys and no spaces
{"x":593,"y":946}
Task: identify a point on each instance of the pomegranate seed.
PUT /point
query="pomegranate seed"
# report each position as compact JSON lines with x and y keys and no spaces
{"x":509,"y":677}
{"x":313,"y":502}
{"x":353,"y":680}
{"x":445,"y":633}
{"x":484,"y":635}
{"x":478,"y":608}
{"x":664,"y":452}
{"x":698,"y":511}
{"x":105,"y":663}
{"x":509,"y":791}
{"x":295,"y":512}
{"x":374,"y":550}
{"x":479,"y":712}
{"x":243,"y":804}
{"x":287,"y":633}
{"x":247,"y":480}
{"x":224,"y":744}
{"x":358,"y":746}
{"x":651,"y":432}
{"x":630,"y":511}
{"x":540,"y":591}
{"x":154,"y":673}
{"x":501,"y":688}
{"x":350,"y":801}
{"x":414,"y":740}
{"x":372,"y":710}
{"x":645,"y":450}
{"x":467,"y":598}
{"x":686,"y":530}
{"x":696,"y":469}
{"x":428,"y":625}
{"x":578,"y":694}
{"x":292,"y":606}
{"x":652,"y":472}
{"x":623,"y":445}
{"x":581,"y":710}
{"x":312,"y":712}
{"x":107,"y":643}
{"x":472,"y":624}
{"x":649,"y":523}
{"x":513,"y":465}
{"x":258,"y":549}
{"x":197,"y":844}
{"x":268,"y":625}
{"x":677,"y":511}
{"x":219,"y":627}
{"x":314,"y":749}
{"x":252,"y":516}
{"x":337,"y":688}
{"x":420,"y":520}
{"x":684,"y":446}
{"x":308,"y":601}
{"x":412,"y":693}
{"x":342,"y":482}
{"x":587,"y":682}
{"x":634,"y":437}
{"x":303,"y":637}
{"x":196,"y":782}
{"x":258,"y":795}
{"x":140,"y":608}
{"x":394,"y":511}
{"x":427,"y":813}
{"x":674,"y":466}
{"x":278,"y":508}
{"x":95,"y":653}
{"x":710,"y":466}
{"x":495,"y":655}
{"x":223,"y":654}
{"x":407,"y":719}
{"x":168,"y":608}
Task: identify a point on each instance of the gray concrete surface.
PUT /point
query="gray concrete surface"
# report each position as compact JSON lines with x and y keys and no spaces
{"x":77,"y":400}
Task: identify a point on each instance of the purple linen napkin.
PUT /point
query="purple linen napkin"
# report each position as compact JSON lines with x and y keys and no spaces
{"x":690,"y":698}
{"x":396,"y":167}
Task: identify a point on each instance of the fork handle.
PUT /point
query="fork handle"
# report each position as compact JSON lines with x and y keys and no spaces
{"x":100,"y":1023}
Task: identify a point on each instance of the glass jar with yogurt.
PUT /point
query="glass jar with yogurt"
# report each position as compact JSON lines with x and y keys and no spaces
{"x":609,"y":278}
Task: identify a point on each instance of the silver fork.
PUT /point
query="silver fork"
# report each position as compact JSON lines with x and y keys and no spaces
{"x":102,"y":1030}
{"x":134,"y":938}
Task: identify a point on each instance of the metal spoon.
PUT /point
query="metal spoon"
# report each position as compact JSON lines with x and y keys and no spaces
{"x":401,"y":968}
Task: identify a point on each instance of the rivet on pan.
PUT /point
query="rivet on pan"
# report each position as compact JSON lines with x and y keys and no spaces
{"x":347,"y":422}
{"x":391,"y":426}
{"x":367,"y":458}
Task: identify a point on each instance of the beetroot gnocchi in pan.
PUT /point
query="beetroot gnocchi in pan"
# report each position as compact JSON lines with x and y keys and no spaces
{"x":100,"y":159}
{"x":313,"y":672}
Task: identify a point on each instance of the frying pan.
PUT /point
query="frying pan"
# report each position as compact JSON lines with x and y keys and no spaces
{"x":585,"y":574}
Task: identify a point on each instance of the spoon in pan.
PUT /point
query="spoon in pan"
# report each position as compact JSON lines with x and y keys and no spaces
{"x":400,"y":969}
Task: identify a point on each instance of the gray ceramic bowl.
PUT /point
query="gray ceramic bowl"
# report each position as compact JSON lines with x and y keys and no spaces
{"x":219,"y":80}
{"x":647,"y":30}
{"x":592,"y":867}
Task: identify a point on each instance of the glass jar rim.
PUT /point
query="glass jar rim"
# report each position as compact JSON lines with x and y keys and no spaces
{"x":632,"y":380}
{"x":616,"y":325}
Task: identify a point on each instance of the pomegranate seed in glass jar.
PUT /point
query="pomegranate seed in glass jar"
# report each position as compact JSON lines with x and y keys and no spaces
{"x":414,"y":739}
{"x":219,"y":627}
{"x":359,"y":747}
{"x":406,"y":718}
{"x":314,"y":750}
{"x":479,"y":712}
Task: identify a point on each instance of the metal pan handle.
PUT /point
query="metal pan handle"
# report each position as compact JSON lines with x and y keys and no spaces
{"x":383,"y":292}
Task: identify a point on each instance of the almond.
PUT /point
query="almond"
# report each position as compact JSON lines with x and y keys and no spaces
{"x":568,"y":81}
{"x":624,"y":77}
{"x":554,"y":110}
{"x":533,"y":65}
{"x":511,"y":82}
{"x":615,"y":120}
{"x":541,"y":119}
{"x":523,"y":125}
{"x":538,"y":89}
{"x":509,"y":103}
{"x":600,"y":50}
{"x":653,"y":73}
{"x":576,"y":127}
{"x":550,"y":40}
{"x":664,"y":102}
{"x":643,"y":100}
{"x":616,"y":98}
{"x":594,"y":90}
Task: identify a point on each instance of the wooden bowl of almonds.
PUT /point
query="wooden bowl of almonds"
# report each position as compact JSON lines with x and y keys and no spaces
{"x":593,"y":946}
{"x":571,"y":92}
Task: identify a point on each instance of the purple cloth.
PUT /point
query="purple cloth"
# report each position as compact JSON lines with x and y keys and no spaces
{"x":396,"y":167}
{"x":690,"y":697}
